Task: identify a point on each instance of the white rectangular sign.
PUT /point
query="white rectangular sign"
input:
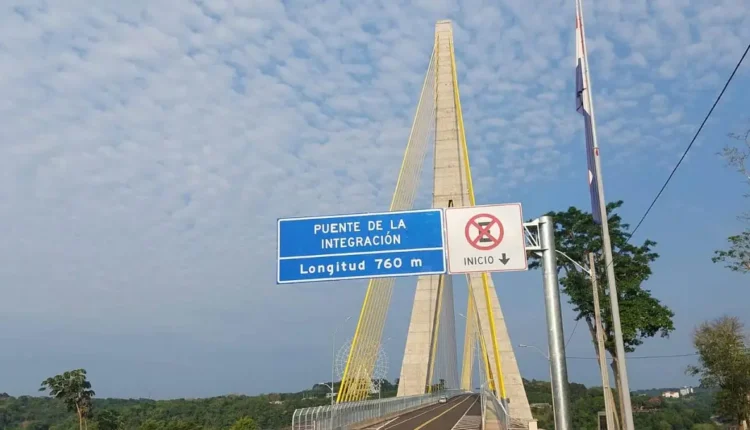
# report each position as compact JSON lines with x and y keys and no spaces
{"x":485,"y":239}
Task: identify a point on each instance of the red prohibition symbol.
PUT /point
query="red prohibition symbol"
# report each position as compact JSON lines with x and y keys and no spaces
{"x":482,"y":238}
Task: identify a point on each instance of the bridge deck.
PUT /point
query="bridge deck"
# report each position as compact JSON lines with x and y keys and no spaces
{"x":459,"y":413}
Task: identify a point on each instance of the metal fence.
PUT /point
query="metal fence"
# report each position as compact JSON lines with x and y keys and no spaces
{"x":495,"y":414}
{"x":343,"y":415}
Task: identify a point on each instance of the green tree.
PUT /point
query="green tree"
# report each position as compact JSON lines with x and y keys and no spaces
{"x":170,"y":425}
{"x":641,"y":315}
{"x":737,"y":257}
{"x":386,"y":385}
{"x":74,"y":390}
{"x":724,"y":363}
{"x":245,"y":423}
{"x":107,"y":419}
{"x":664,"y":425}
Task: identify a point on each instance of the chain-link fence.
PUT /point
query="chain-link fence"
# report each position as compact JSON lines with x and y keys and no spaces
{"x":343,"y":415}
{"x":495,"y":414}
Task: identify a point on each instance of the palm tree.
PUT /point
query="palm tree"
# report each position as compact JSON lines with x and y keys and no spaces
{"x":74,"y":390}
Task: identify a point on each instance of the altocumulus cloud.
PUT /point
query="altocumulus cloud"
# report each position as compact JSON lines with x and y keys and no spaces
{"x":146,"y":148}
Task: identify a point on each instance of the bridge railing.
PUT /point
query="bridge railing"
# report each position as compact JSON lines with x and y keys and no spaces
{"x":343,"y":415}
{"x":495,"y":415}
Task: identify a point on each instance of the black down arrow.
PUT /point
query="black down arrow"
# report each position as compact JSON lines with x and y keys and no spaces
{"x":504,"y":260}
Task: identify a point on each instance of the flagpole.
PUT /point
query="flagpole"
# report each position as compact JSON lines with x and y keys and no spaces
{"x":622,"y":373}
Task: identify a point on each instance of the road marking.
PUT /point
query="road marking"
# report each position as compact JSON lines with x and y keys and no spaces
{"x":418,"y":415}
{"x":386,"y":423}
{"x":444,"y":412}
{"x":471,"y":422}
{"x":428,"y":409}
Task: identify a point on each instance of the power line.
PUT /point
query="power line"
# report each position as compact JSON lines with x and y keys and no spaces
{"x":572,"y":333}
{"x":684,"y":154}
{"x":642,"y":357}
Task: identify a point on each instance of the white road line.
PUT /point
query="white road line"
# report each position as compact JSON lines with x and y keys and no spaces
{"x":427,"y":409}
{"x":425,"y":412}
{"x":386,"y":423}
{"x":466,"y":423}
{"x":471,"y":422}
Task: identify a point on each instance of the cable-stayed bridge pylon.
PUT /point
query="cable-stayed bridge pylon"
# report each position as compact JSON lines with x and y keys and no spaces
{"x":430,"y":358}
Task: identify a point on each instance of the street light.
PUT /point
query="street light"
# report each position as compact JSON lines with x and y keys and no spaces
{"x":577,"y":264}
{"x":329,"y":386}
{"x":521,"y":345}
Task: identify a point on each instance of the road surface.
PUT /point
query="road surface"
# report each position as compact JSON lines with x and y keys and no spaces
{"x":459,"y":413}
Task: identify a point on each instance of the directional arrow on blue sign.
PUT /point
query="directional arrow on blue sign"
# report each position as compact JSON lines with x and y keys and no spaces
{"x":358,"y":246}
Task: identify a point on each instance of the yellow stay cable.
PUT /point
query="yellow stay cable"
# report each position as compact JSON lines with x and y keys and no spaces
{"x":469,"y":348}
{"x":485,"y":282}
{"x":344,"y":387}
{"x":486,"y":358}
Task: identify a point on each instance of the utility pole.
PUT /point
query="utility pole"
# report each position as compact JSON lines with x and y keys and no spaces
{"x":608,"y":399}
{"x":627,"y":408}
{"x":622,"y":372}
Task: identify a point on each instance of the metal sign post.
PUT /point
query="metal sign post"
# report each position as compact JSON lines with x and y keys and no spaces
{"x":544,"y":244}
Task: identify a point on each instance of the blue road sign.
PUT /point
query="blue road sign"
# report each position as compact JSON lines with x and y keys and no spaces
{"x":358,"y":246}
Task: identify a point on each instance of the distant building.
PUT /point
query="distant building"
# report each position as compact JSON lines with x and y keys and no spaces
{"x":680,"y":392}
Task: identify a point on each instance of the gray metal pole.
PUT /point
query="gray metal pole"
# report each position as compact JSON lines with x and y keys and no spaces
{"x":558,"y":366}
{"x":622,"y":372}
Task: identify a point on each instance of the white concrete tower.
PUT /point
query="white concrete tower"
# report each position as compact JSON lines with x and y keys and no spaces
{"x":450,"y":188}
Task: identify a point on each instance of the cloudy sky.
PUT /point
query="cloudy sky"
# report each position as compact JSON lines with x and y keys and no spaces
{"x":148,"y":147}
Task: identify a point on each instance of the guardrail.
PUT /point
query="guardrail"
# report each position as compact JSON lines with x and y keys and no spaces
{"x":495,"y":414}
{"x":341,"y":416}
